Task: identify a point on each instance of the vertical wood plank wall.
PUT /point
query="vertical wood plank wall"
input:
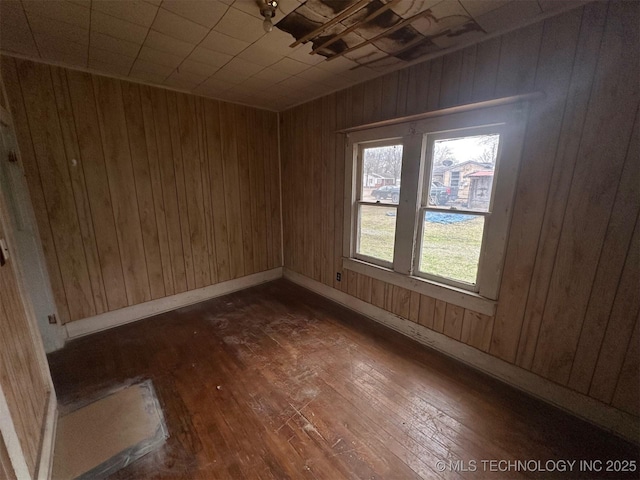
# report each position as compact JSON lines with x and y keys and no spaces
{"x":22,"y":379}
{"x":140,"y":192}
{"x":568,"y":304}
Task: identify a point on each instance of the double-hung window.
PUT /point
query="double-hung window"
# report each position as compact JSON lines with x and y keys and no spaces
{"x":428,"y":201}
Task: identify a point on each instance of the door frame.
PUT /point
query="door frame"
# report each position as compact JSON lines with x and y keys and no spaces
{"x":7,"y":426}
{"x":53,"y":335}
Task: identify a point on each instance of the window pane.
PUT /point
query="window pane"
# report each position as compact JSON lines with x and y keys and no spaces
{"x":377,"y":231}
{"x":462,"y":172}
{"x":381,"y":169}
{"x":451,"y":245}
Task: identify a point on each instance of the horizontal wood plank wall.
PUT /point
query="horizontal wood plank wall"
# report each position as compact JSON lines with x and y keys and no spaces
{"x":140,"y":192}
{"x":568,"y":304}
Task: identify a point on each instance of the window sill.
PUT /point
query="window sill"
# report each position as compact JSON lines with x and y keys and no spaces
{"x":439,"y":291}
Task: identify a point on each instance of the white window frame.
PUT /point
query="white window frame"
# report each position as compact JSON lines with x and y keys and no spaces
{"x":359,"y":202}
{"x":510,"y":119}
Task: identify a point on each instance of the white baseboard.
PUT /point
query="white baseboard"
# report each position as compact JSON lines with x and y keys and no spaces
{"x":45,"y":464}
{"x":589,"y":409}
{"x":86,"y":326}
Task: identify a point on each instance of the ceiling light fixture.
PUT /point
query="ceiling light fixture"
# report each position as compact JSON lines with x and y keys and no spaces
{"x":268,"y":11}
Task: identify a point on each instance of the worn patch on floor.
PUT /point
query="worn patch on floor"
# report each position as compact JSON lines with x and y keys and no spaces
{"x":104,"y":436}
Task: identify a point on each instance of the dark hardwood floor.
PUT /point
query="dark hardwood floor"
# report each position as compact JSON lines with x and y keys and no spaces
{"x":276,"y":382}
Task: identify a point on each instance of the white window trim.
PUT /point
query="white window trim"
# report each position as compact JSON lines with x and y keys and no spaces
{"x":512,"y":115}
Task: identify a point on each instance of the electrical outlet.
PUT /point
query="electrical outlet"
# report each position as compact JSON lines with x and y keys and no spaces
{"x":52,"y":319}
{"x":338,"y":276}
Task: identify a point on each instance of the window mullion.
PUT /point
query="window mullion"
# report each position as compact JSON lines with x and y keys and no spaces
{"x":408,"y":204}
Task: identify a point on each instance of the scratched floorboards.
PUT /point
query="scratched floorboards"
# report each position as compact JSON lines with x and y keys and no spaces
{"x":275,"y":382}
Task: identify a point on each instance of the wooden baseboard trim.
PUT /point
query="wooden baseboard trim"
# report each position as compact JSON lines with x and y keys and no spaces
{"x":45,"y":463}
{"x":589,"y":409}
{"x":133,"y":313}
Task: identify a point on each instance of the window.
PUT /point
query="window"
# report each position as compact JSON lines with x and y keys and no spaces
{"x":428,"y":202}
{"x":378,"y":202}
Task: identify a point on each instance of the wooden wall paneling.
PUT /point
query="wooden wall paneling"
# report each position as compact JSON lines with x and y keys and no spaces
{"x":25,"y":388}
{"x":253,"y":190}
{"x":121,"y":184}
{"x":258,"y":152}
{"x":95,"y":175}
{"x":476,"y":330}
{"x":378,"y":292}
{"x":620,"y":327}
{"x":388,"y":297}
{"x":414,"y":87}
{"x":467,"y":70}
{"x":231,"y":181}
{"x":364,"y":288}
{"x":286,"y":152}
{"x":32,"y":174}
{"x":539,"y":152}
{"x":610,"y":267}
{"x":50,"y":155}
{"x":342,"y":102}
{"x":450,"y":81}
{"x":401,"y":301}
{"x":169,"y":188}
{"x":453,"y":318}
{"x":144,"y":193}
{"x":567,"y":154}
{"x":193,"y":193}
{"x":486,"y":69}
{"x":20,"y":395}
{"x":318,"y":175}
{"x":518,"y":57}
{"x":329,"y":197}
{"x":294,"y":201}
{"x":178,"y":171}
{"x":308,"y":193}
{"x":403,"y":89}
{"x":129,"y":202}
{"x":627,"y":393}
{"x":419,"y":80}
{"x":6,"y":468}
{"x":218,"y":187}
{"x":146,"y":102}
{"x":274,"y":180}
{"x":372,"y":108}
{"x":438,"y":315}
{"x":263,"y":124}
{"x":389,"y":95}
{"x":352,"y":283}
{"x":352,"y":116}
{"x":435,"y":80}
{"x":426,"y":313}
{"x":613,"y":105}
{"x":414,"y":306}
{"x":299,"y":198}
{"x":356,"y":114}
{"x":313,"y":191}
{"x":260,"y":157}
{"x":78,"y":185}
{"x":205,"y":176}
{"x":290,"y":187}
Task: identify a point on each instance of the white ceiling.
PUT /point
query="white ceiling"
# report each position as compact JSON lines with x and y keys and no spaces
{"x":214,"y":48}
